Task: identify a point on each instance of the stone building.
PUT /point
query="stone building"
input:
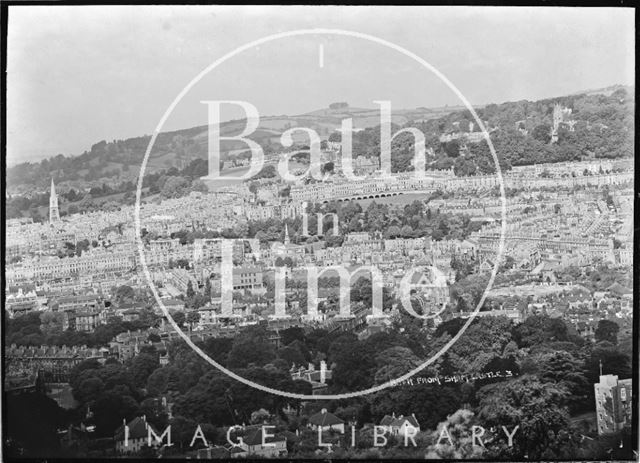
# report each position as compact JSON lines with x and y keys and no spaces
{"x":613,"y":403}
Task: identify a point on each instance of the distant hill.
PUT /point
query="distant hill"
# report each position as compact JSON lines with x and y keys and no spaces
{"x":593,"y":124}
{"x":606,"y":91}
{"x":119,"y":160}
{"x":604,"y":128}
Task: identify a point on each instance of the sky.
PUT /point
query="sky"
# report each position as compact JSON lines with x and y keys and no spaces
{"x":80,"y":74}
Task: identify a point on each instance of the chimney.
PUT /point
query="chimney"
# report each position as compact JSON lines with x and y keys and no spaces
{"x":311,"y":367}
{"x":323,"y":371}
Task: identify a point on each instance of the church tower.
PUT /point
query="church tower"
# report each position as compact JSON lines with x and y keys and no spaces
{"x":54,"y":212}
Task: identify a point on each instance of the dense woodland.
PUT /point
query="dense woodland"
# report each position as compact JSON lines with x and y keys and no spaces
{"x":553,"y":374}
{"x":604,"y":129}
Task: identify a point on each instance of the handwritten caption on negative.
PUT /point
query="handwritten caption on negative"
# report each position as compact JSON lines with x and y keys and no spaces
{"x":416,"y":380}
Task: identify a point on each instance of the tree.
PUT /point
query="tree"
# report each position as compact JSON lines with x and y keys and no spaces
{"x":34,"y":420}
{"x":183,"y":263}
{"x":193,"y":318}
{"x":109,"y":411}
{"x":125,"y":293}
{"x":612,"y":360}
{"x":174,"y":187}
{"x":218,"y":348}
{"x":355,"y":363}
{"x":75,"y":374}
{"x":51,"y":323}
{"x":158,"y":381}
{"x":485,"y":338}
{"x":430,"y":403}
{"x":451,"y":327}
{"x":208,"y":401}
{"x":142,"y":366}
{"x":89,"y":390}
{"x":291,"y":355}
{"x":328,"y":167}
{"x":23,"y":330}
{"x":179,"y":318}
{"x":542,"y":133}
{"x":200,"y":186}
{"x":393,"y":231}
{"x":538,"y":330}
{"x":116,"y":377}
{"x":607,"y":330}
{"x":289,"y":335}
{"x":190,"y":291}
{"x":459,"y":426}
{"x":407,"y":231}
{"x":470,"y":289}
{"x":268,"y":171}
{"x":394,"y":362}
{"x":452,"y":148}
{"x":537,"y":407}
{"x":565,"y":369}
{"x":251,"y":346}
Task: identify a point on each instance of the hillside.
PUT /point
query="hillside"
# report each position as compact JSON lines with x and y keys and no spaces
{"x":594,"y":124}
{"x":119,"y":160}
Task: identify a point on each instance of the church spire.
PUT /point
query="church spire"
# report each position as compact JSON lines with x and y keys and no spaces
{"x":286,"y":234}
{"x":54,"y":212}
